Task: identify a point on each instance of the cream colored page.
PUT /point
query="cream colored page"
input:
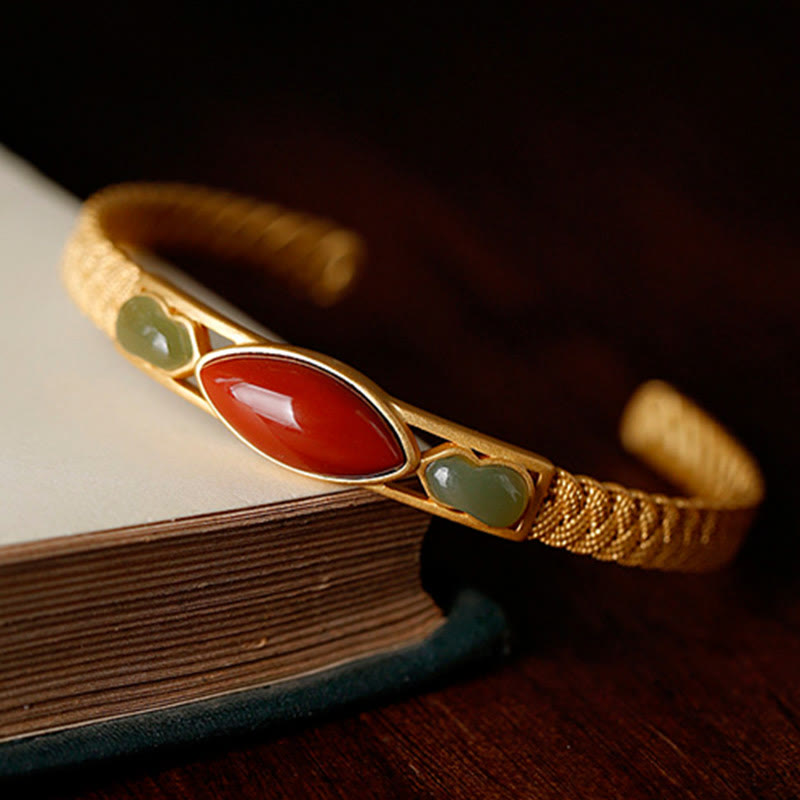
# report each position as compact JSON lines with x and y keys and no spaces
{"x":87,"y":441}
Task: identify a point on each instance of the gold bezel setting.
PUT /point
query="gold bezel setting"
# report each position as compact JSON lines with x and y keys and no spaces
{"x":402,"y":417}
{"x":354,"y":380}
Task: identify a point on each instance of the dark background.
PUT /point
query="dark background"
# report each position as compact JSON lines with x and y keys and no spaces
{"x":558,"y":204}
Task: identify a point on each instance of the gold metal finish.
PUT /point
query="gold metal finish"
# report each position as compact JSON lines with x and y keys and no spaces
{"x":604,"y":520}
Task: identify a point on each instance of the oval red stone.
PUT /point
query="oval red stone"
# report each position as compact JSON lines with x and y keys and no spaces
{"x":301,"y":415}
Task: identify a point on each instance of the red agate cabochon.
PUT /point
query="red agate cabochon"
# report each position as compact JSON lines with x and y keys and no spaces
{"x":301,"y":415}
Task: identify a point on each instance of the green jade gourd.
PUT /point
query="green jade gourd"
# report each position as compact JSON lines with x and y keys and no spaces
{"x":495,"y":494}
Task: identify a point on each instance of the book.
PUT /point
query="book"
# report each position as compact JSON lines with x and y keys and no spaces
{"x":159,"y":582}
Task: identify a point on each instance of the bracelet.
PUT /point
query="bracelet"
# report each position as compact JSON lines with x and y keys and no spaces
{"x":317,"y":416}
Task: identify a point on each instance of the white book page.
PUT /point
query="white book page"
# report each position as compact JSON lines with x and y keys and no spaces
{"x":87,"y":441}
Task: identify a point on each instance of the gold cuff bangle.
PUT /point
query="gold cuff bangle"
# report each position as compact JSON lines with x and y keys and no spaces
{"x":319,"y":417}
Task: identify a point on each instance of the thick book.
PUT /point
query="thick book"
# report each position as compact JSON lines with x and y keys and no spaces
{"x":159,"y":582}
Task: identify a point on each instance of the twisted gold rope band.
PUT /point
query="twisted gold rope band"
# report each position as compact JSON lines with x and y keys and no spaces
{"x":604,"y":520}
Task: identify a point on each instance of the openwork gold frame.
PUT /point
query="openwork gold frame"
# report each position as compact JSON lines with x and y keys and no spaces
{"x":601,"y":519}
{"x":401,"y":416}
{"x":479,"y":448}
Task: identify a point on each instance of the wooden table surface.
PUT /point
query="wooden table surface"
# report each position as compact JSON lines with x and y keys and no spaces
{"x":558,"y":205}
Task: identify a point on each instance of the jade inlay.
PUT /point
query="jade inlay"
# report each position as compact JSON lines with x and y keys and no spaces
{"x":145,"y":330}
{"x":495,"y":494}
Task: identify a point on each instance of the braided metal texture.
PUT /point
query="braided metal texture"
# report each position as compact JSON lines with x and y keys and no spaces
{"x":312,"y":255}
{"x":669,"y":432}
{"x":696,"y":533}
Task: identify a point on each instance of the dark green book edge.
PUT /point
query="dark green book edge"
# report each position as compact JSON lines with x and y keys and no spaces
{"x":475,"y":629}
